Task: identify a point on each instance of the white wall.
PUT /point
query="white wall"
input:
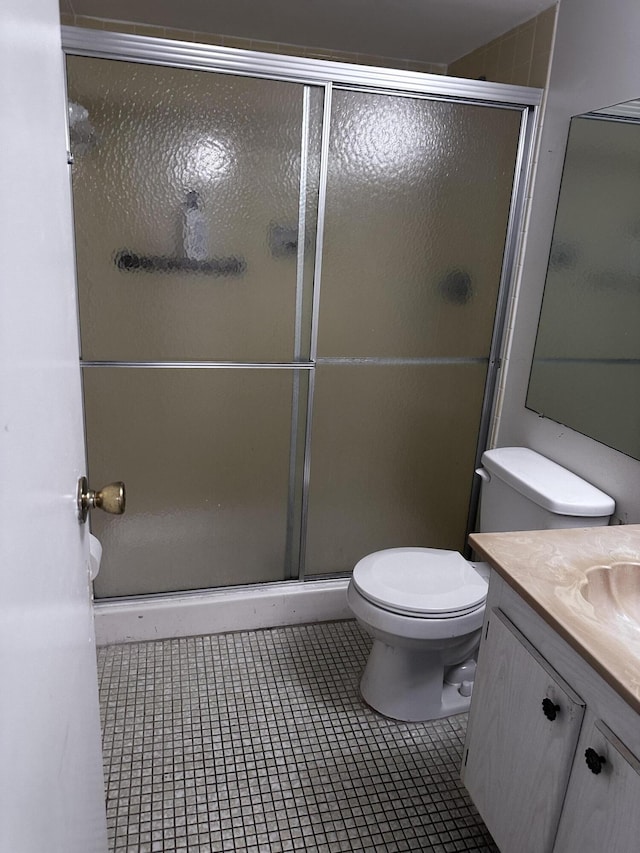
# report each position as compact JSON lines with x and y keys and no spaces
{"x":596,"y":62}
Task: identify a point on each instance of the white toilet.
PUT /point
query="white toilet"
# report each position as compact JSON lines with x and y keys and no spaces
{"x":424,"y":608}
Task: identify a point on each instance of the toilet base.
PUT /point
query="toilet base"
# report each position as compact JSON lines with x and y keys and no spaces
{"x":405,"y":684}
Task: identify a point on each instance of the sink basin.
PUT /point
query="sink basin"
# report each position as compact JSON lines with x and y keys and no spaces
{"x":614,"y":592}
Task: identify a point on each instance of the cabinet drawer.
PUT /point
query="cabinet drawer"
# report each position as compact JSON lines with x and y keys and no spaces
{"x":519,"y":751}
{"x":602,"y":807}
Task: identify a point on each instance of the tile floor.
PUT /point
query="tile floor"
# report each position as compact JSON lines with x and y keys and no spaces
{"x":257,"y":741}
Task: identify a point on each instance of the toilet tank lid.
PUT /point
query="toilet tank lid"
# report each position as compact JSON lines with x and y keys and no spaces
{"x":546,"y":483}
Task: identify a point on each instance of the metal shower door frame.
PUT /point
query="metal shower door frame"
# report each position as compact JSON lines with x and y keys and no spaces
{"x":329,"y":75}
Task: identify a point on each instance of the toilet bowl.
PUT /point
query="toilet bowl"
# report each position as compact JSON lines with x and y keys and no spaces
{"x":424,"y":608}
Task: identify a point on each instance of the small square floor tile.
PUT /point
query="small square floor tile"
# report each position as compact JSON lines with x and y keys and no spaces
{"x":258,"y":741}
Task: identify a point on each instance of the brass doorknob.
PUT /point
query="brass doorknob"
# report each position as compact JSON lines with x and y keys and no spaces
{"x":111,"y":498}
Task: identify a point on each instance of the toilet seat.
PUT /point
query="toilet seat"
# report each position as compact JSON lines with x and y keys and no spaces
{"x":422,"y":582}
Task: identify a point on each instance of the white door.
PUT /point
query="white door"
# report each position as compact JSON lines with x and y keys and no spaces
{"x":51,"y":786}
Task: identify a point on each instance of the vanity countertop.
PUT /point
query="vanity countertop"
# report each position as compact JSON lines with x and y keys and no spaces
{"x":549,"y":569}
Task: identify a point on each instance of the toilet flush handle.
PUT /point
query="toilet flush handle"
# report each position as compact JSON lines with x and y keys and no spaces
{"x":111,"y":498}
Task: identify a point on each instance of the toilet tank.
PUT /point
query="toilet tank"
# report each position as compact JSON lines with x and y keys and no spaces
{"x":522,"y":490}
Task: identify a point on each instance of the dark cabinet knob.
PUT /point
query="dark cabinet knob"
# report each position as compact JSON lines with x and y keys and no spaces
{"x":594,"y":761}
{"x":550,"y":709}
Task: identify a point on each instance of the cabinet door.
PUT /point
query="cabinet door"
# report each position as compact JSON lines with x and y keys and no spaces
{"x":517,"y":760}
{"x":602,"y":809}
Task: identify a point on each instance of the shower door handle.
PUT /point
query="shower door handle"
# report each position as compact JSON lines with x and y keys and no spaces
{"x":111,"y":498}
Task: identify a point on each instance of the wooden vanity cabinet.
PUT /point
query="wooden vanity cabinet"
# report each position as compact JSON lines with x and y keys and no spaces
{"x":517,"y":765}
{"x":602,"y":807}
{"x":524,"y":761}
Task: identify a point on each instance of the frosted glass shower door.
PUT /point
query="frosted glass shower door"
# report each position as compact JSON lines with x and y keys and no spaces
{"x":195,"y":197}
{"x":274,"y":417}
{"x":417,"y":206}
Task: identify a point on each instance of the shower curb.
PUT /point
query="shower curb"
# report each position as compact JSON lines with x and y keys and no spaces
{"x":218,"y":611}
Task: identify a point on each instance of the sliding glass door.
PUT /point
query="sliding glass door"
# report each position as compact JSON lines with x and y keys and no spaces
{"x":418,"y":200}
{"x":195,"y":199}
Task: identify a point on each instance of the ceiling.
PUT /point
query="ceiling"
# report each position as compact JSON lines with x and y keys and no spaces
{"x":438,"y":31}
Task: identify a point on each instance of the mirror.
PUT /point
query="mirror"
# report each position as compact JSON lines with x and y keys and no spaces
{"x":586,"y":365}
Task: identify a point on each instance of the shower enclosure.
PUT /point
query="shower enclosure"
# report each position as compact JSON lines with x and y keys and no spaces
{"x":292,"y":277}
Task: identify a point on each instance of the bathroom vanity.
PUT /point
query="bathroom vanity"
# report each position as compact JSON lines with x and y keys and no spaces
{"x":552,"y":757}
